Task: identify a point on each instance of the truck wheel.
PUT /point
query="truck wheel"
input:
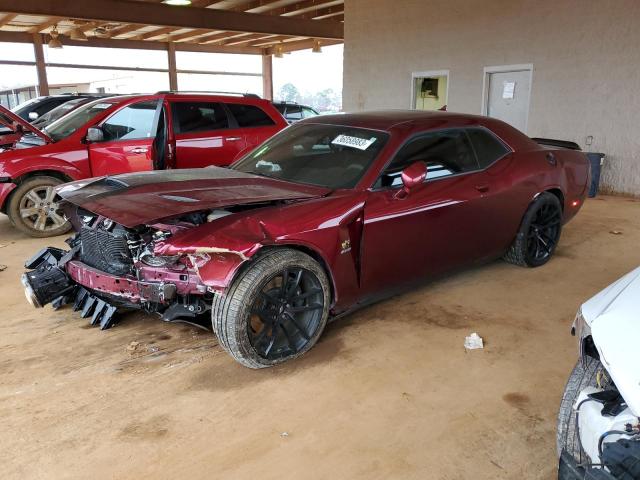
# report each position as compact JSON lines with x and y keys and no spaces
{"x":539,"y":233}
{"x":274,"y":311}
{"x":33,"y":208}
{"x":591,"y":374}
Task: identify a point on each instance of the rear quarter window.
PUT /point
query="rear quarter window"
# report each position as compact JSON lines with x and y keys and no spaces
{"x":250,"y":115}
{"x":487,"y":146}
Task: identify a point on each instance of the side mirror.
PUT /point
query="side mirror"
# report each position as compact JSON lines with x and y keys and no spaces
{"x":412,"y":176}
{"x":95,"y":134}
{"x":33,"y":115}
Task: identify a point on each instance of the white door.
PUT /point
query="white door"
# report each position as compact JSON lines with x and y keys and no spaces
{"x":508,"y":97}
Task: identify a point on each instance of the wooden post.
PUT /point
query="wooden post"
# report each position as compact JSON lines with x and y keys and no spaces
{"x":41,"y":68}
{"x":267,"y":77}
{"x":173,"y":73}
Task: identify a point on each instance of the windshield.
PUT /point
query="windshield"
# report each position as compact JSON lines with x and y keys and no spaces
{"x":24,"y":106}
{"x":58,"y":112}
{"x":68,"y":124}
{"x":331,"y":156}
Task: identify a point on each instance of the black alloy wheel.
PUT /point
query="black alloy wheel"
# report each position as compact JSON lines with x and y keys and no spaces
{"x":539,"y":232}
{"x":286,"y":314}
{"x":275,"y":309}
{"x":544,"y":233}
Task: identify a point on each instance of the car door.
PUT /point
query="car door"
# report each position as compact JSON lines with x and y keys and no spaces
{"x":128,"y":140}
{"x":204,"y":134}
{"x":433,"y":229}
{"x":256,"y":124}
{"x":505,"y":200}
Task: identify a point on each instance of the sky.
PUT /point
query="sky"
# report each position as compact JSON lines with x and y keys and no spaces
{"x":309,"y":72}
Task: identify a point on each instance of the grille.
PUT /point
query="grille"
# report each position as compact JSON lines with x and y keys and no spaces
{"x":106,"y":251}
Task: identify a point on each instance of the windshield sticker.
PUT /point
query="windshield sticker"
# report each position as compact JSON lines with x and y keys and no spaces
{"x":354,"y":142}
{"x":102,"y":106}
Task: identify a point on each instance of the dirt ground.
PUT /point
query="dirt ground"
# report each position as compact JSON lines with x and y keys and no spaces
{"x":388,"y":393}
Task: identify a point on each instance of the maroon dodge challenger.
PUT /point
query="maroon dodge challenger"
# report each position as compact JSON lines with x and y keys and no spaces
{"x":329,"y":215}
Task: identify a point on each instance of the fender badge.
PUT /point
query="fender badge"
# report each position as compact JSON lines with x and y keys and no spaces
{"x":346,"y":246}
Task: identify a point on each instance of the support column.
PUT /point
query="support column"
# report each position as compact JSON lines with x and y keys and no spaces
{"x":267,"y":77}
{"x":41,"y":68}
{"x":173,"y":73}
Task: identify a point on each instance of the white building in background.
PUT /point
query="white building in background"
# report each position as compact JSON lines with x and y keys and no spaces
{"x":566,"y":69}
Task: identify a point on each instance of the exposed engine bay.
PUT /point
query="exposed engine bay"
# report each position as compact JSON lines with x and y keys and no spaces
{"x":110,"y":267}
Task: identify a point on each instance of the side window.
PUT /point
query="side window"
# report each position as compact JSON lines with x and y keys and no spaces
{"x":198,"y":117}
{"x":293,"y":113}
{"x":132,"y":122}
{"x":445,"y":153}
{"x":308,"y":113}
{"x":249,"y":115}
{"x":488,"y":148}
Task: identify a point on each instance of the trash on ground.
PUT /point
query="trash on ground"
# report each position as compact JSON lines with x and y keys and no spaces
{"x":616,"y":232}
{"x":132,"y":346}
{"x":473,"y":342}
{"x":284,"y":434}
{"x":3,"y":267}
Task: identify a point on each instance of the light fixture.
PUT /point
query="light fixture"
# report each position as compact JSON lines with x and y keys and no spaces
{"x":317,"y":48}
{"x":177,"y":3}
{"x":55,"y":40}
{"x":78,"y":35}
{"x":278,"y":51}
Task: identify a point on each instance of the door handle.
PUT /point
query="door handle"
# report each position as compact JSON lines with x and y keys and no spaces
{"x":139,"y":150}
{"x":551,"y":158}
{"x":482,"y":188}
{"x":233,"y":139}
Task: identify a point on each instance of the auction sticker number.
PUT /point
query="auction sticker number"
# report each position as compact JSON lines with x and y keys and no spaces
{"x":354,"y":142}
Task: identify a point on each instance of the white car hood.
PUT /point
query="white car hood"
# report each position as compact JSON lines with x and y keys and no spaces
{"x":614,"y":318}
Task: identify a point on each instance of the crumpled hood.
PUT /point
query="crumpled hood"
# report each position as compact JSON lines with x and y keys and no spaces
{"x":147,"y":197}
{"x":614,"y":318}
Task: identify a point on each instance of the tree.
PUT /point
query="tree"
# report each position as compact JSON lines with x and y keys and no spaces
{"x":289,"y":93}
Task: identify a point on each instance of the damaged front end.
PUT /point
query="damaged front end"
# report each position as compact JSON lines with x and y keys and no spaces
{"x":111,"y":268}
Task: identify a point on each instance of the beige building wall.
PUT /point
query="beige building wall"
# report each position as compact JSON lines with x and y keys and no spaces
{"x":585,"y":56}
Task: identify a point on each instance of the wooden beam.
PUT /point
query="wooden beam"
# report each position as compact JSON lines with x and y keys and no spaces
{"x":22,"y":37}
{"x":187,"y":35}
{"x":320,"y":13}
{"x":41,"y":68}
{"x":267,"y":77}
{"x":43,"y":26}
{"x":7,"y":19}
{"x":301,"y":45}
{"x":173,"y":74}
{"x":124,"y":29}
{"x":129,"y":11}
{"x":154,"y":33}
{"x":307,"y":6}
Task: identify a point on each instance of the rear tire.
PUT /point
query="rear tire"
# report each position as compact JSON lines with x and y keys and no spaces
{"x":539,"y":233}
{"x":581,"y":377}
{"x":274,"y":311}
{"x":33,"y":208}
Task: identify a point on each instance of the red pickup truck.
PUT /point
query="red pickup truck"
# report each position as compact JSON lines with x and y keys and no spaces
{"x":120,"y":135}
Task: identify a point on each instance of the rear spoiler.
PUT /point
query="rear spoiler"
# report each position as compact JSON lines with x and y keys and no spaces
{"x":550,"y":142}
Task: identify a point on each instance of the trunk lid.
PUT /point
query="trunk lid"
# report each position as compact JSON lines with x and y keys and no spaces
{"x":7,"y":116}
{"x":147,"y":197}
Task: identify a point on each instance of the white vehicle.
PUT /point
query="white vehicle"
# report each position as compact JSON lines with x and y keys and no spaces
{"x":598,"y":423}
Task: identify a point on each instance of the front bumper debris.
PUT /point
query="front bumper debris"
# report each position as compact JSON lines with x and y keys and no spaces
{"x":55,"y":277}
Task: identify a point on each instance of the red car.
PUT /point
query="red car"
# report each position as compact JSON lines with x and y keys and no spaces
{"x":328,"y":215}
{"x":125,"y":134}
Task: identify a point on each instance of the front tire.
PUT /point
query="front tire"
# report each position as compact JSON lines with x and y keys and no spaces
{"x":589,"y":374}
{"x":33,"y":208}
{"x":539,"y":233}
{"x":274,"y":311}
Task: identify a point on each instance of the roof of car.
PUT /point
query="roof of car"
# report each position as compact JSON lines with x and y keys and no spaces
{"x":387,"y":119}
